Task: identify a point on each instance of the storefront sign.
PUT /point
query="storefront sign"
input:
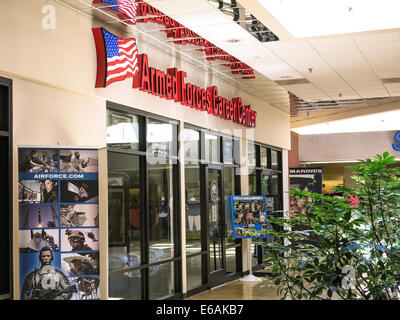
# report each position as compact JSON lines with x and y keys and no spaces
{"x":249,"y":214}
{"x":115,"y":63}
{"x":396,"y":145}
{"x":58,"y":224}
{"x":128,"y":10}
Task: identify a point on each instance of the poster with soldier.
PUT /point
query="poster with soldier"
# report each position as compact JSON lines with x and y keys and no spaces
{"x":58,"y":224}
{"x":309,"y":179}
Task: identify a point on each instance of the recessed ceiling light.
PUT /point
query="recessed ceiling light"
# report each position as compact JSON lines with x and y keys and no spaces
{"x":308,"y":18}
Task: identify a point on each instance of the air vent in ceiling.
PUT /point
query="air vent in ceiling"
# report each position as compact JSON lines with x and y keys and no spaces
{"x":292,"y":82}
{"x":298,"y":106}
{"x":245,"y":19}
{"x":391,"y":80}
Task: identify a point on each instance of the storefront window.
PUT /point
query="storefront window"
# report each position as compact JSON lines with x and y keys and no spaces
{"x":266,"y":178}
{"x":159,"y":138}
{"x":274,"y":184}
{"x":229,"y":189}
{"x":161,"y":231}
{"x":192,"y":144}
{"x":274,"y":160}
{"x":122,"y":130}
{"x":193,"y":271}
{"x":193,"y":221}
{"x":135,"y":245}
{"x":124,"y":224}
{"x":263,"y":157}
{"x":231,"y":260}
{"x":161,"y":281}
{"x":265,"y":184}
{"x":253,"y":183}
{"x":227,"y":148}
{"x":251,"y":154}
{"x":212,"y":148}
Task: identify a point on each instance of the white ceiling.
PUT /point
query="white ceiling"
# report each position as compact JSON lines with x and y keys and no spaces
{"x":349,"y":66}
{"x":336,"y":67}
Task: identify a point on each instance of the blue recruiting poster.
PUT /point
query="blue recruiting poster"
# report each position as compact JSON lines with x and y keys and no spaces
{"x":249,"y":214}
{"x":58,"y":223}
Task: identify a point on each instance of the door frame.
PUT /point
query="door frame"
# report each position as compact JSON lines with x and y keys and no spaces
{"x":7,"y":134}
{"x":218,"y":277}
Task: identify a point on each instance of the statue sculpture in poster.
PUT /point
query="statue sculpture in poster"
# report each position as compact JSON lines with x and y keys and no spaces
{"x":58,"y":224}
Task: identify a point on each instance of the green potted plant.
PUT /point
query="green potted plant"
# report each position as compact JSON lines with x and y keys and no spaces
{"x":337,"y":250}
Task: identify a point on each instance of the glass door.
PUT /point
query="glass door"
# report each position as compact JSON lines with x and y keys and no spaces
{"x":216,"y":225}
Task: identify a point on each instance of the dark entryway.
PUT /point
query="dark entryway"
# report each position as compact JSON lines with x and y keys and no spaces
{"x":5,"y":188}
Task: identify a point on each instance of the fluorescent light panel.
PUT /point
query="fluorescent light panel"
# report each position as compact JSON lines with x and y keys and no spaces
{"x":385,"y":121}
{"x":308,"y":18}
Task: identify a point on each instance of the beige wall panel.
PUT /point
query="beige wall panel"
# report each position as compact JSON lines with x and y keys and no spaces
{"x":45,"y":116}
{"x":345,"y":146}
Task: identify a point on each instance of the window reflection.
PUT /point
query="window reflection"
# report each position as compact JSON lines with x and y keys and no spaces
{"x":212,"y":148}
{"x":263,"y":157}
{"x":161,"y":237}
{"x":274,"y":184}
{"x":192,"y":141}
{"x":265,"y":184}
{"x":122,"y":130}
{"x":124,"y":224}
{"x":192,"y":196}
{"x":274,"y":160}
{"x":160,"y":136}
{"x":229,"y":189}
{"x":253,"y":183}
{"x":227,"y":149}
{"x":161,"y":281}
{"x":193,"y":270}
{"x":251,"y":154}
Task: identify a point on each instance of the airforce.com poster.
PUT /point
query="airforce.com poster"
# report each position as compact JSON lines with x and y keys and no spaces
{"x":58,"y":224}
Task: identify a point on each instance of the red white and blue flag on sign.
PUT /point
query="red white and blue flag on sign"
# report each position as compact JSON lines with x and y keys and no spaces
{"x":116,"y":57}
{"x":125,"y":9}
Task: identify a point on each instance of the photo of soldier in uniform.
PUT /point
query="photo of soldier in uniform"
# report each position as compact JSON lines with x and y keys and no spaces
{"x":37,"y":160}
{"x":77,"y":264}
{"x":38,"y":216}
{"x":87,"y":288}
{"x":79,"y":160}
{"x":80,"y":215}
{"x":49,"y":191}
{"x":47,"y":282}
{"x":33,"y":240}
{"x":79,"y":191}
{"x":79,"y":239}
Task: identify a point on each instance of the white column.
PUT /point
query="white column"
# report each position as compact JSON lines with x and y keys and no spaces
{"x":244,"y":187}
{"x":181,"y":154}
{"x":285,"y":182}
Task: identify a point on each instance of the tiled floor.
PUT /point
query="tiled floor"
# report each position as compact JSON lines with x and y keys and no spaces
{"x":240,"y":290}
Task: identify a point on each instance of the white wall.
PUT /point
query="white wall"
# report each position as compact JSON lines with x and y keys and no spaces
{"x":345,"y":146}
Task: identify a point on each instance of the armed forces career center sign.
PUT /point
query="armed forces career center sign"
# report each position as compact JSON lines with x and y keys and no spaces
{"x":58,"y":224}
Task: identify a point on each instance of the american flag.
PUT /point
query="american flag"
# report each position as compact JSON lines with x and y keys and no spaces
{"x":121,"y":57}
{"x":126,"y":9}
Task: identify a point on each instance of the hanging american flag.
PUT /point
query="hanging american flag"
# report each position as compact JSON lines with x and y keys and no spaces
{"x":116,"y":57}
{"x":125,"y":9}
